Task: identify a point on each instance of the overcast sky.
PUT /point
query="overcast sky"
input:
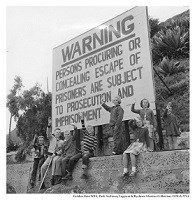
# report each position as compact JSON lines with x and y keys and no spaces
{"x":32,"y":33}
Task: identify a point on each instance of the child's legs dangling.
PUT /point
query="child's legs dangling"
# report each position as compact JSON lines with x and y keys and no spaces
{"x":125,"y":162}
{"x":151,"y":143}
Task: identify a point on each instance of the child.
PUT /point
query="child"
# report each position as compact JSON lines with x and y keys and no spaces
{"x":54,"y":141}
{"x":148,"y":118}
{"x":39,"y":157}
{"x":116,"y":117}
{"x":69,"y":150}
{"x":56,"y":162}
{"x":140,"y":141}
{"x":89,"y":146}
{"x":171,"y":126}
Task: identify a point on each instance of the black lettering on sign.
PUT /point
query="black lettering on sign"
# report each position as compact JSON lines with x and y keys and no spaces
{"x":109,"y":68}
{"x":69,"y":70}
{"x":71,"y":94}
{"x":96,"y":86}
{"x":59,"y":110}
{"x":103,"y":56}
{"x":133,"y":58}
{"x":134,"y":44}
{"x":104,"y":34}
{"x":89,"y":115}
{"x":126,"y":77}
{"x":72,"y":81}
{"x":126,"y":91}
{"x":88,"y":102}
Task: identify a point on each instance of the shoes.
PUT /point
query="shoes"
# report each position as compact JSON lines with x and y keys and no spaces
{"x":84,"y":176}
{"x":43,"y":186}
{"x":32,"y":184}
{"x":68,"y":177}
{"x":125,"y":174}
{"x":58,"y":180}
{"x":53,"y":180}
{"x":133,"y":173}
{"x":114,"y":153}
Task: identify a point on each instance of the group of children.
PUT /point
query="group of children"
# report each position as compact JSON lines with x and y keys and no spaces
{"x":63,"y":154}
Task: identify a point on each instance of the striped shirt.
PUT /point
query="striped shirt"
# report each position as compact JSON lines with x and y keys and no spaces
{"x":89,"y":141}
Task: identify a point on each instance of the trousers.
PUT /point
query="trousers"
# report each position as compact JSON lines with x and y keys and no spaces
{"x":38,"y":162}
{"x":117,"y":137}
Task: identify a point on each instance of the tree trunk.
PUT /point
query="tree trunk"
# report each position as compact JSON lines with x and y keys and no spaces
{"x":9,"y":136}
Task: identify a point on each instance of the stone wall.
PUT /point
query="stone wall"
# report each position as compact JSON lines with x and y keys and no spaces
{"x":158,"y":172}
{"x":18,"y":176}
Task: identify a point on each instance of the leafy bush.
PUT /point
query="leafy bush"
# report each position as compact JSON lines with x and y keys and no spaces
{"x":168,"y":67}
{"x":154,"y":26}
{"x":21,"y":154}
{"x":178,"y":83}
{"x":181,"y":22}
{"x":11,"y":147}
{"x":172,"y":40}
{"x":173,"y":43}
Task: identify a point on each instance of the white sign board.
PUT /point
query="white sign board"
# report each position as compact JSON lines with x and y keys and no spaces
{"x":109,"y":60}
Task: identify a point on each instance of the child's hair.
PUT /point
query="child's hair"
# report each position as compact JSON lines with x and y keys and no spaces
{"x":57,"y":129}
{"x":118,"y":99}
{"x":41,"y":136}
{"x":90,"y":126}
{"x":132,"y":124}
{"x":141,"y":103}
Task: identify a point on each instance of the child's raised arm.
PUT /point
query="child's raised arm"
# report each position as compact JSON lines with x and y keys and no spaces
{"x":107,"y":108}
{"x":133,"y":108}
{"x":49,"y":129}
{"x":75,"y":131}
{"x":83,"y":129}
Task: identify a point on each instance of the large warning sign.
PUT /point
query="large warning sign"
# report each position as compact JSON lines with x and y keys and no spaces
{"x":109,"y":60}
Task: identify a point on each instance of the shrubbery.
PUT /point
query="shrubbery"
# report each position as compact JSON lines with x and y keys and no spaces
{"x":178,"y":83}
{"x":21,"y":154}
{"x":170,"y":51}
{"x":11,"y":147}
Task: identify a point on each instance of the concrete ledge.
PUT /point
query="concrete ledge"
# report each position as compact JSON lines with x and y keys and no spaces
{"x":158,"y":173}
{"x":18,"y":176}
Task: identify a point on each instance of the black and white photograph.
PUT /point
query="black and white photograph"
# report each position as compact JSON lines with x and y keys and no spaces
{"x":98,"y":100}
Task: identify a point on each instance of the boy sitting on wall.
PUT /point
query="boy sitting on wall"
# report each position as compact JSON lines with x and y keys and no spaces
{"x":89,"y":146}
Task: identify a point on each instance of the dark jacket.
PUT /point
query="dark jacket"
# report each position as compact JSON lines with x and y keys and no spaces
{"x":69,"y":146}
{"x":40,"y":150}
{"x":116,"y":114}
{"x":171,"y":124}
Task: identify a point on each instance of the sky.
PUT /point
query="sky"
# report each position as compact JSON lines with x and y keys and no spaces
{"x":32,"y":32}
